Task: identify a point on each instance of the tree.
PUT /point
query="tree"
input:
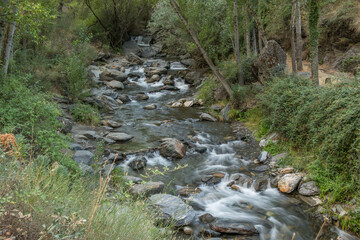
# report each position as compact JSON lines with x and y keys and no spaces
{"x":314,"y":39}
{"x":298,"y":37}
{"x":4,"y":7}
{"x":237,"y":48}
{"x":292,"y":28}
{"x":247,"y":31}
{"x":218,"y":75}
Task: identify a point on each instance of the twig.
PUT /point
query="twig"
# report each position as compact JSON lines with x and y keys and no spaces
{"x":293,"y":237}
{"x":326,"y":220}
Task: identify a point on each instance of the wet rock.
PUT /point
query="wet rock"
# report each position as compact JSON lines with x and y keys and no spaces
{"x":188,"y":62}
{"x":89,"y":134}
{"x":169,"y":82}
{"x":132,"y":179}
{"x":191,"y":77}
{"x":108,"y":140}
{"x":206,"y":218}
{"x":172,"y":209}
{"x":309,"y":189}
{"x":115,"y":84}
{"x":271,"y":61}
{"x":188,"y":230}
{"x":239,"y":229}
{"x":210,"y":180}
{"x":110,"y":123}
{"x":225,"y":112}
{"x":155,"y":71}
{"x":311,"y":201}
{"x":177,"y":105}
{"x":147,"y":189}
{"x":119,"y":137}
{"x":187,"y":191}
{"x":170,"y":88}
{"x":172,"y":148}
{"x":261,"y":184}
{"x":134,"y":59}
{"x":138,"y":163}
{"x":141,"y":97}
{"x":150,"y":107}
{"x":218,"y":175}
{"x":109,"y":103}
{"x":209,"y":233}
{"x":262,"y":168}
{"x":154,"y":78}
{"x":200,"y":149}
{"x":207,"y":117}
{"x":109,"y":75}
{"x":124,"y":98}
{"x":284,"y":171}
{"x":84,"y":157}
{"x":289,"y":182}
{"x":275,"y":181}
{"x":264,"y":156}
{"x":188,"y":103}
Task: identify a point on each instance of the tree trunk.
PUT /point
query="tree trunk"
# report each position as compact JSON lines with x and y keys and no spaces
{"x":314,"y":39}
{"x":254,"y":42}
{"x":293,"y":49}
{"x":247,"y":32}
{"x":3,"y":25}
{"x":8,"y":47}
{"x":298,"y":37}
{"x":237,"y":47}
{"x":260,"y":41}
{"x":218,"y":75}
{"x":258,"y":25}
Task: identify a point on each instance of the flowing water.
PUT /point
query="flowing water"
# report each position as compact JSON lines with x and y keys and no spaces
{"x":275,"y":215}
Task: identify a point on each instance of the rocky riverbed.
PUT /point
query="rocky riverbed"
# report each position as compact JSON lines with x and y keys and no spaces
{"x":225,"y":186}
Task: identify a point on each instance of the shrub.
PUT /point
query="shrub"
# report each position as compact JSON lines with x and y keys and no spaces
{"x":206,"y":92}
{"x":86,"y":114}
{"x":33,"y":119}
{"x":324,"y":120}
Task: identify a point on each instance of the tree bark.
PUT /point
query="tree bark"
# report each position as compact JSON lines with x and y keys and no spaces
{"x":247,"y":32}
{"x":218,"y":75}
{"x":237,"y":47}
{"x":314,"y":40}
{"x":298,"y":37}
{"x":293,"y":49}
{"x":254,"y":42}
{"x":260,"y":41}
{"x":8,"y":47}
{"x":258,"y":25}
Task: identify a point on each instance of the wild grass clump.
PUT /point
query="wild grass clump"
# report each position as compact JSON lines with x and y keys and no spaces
{"x":61,"y":206}
{"x":323,"y":120}
{"x":84,"y":113}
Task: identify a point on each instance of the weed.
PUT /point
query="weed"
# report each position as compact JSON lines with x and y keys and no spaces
{"x":84,"y":113}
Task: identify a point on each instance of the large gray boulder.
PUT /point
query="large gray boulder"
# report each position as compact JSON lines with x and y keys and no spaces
{"x":138,"y":163}
{"x":109,"y":103}
{"x":289,"y":182}
{"x":147,"y":189}
{"x":172,"y":148}
{"x":172,"y":209}
{"x":83,"y":157}
{"x":309,"y":189}
{"x":109,"y":75}
{"x":271,"y":61}
{"x":119,"y":137}
{"x":207,"y":117}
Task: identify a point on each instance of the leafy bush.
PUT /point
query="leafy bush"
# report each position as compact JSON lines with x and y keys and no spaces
{"x":33,"y":118}
{"x":206,"y":92}
{"x":85,"y":113}
{"x":324,"y":120}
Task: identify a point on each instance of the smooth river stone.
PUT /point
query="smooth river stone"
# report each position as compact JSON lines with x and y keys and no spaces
{"x":119,"y":137}
{"x":240,"y":229}
{"x":289,"y":182}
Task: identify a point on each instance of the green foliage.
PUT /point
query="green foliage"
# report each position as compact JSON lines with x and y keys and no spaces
{"x":84,"y":113}
{"x":240,"y":95}
{"x":33,"y":118}
{"x":61,"y":206}
{"x":206,"y":92}
{"x":323,"y":120}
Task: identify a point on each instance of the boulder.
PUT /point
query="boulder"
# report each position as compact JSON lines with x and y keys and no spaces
{"x":134,"y":59}
{"x":172,"y":209}
{"x":110,"y":123}
{"x":225,"y":112}
{"x":238,"y":229}
{"x":261,"y":184}
{"x":132,"y":179}
{"x":115,"y":84}
{"x":350,"y":61}
{"x":150,"y":107}
{"x":271,"y":61}
{"x":187,"y":191}
{"x":191,"y":77}
{"x":138,"y":163}
{"x":109,"y":103}
{"x":188,"y":62}
{"x":207,"y":117}
{"x":124,"y":98}
{"x":83,"y":157}
{"x":189,"y":103}
{"x":289,"y":182}
{"x":311,"y":201}
{"x":262,"y":168}
{"x":188,"y":230}
{"x":177,"y":105}
{"x":119,"y":137}
{"x":154,"y":78}
{"x":109,"y":75}
{"x":141,"y":97}
{"x":206,"y":218}
{"x":264,"y":156}
{"x":66,"y":125}
{"x":147,"y":188}
{"x":309,"y":189}
{"x":155,"y":71}
{"x":172,"y":148}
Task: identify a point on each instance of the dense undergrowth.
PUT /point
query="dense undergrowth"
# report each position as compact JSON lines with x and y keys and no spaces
{"x":319,"y":127}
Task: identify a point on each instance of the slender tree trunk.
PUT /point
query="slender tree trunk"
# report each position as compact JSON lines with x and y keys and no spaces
{"x":218,"y":75}
{"x":237,"y":47}
{"x":258,"y":25}
{"x":314,"y":39}
{"x":8,"y":47}
{"x":254,"y":41}
{"x":3,"y":25}
{"x":247,"y":32}
{"x":260,"y":41}
{"x":298,"y":37}
{"x":293,"y":49}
